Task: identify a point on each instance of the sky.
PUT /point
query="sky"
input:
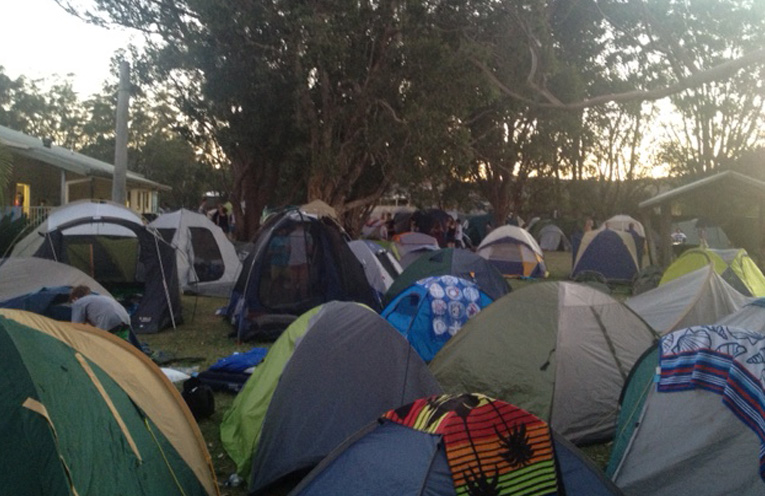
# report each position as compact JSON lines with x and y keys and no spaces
{"x":39,"y":39}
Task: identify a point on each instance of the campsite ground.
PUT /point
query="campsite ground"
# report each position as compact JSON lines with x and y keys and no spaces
{"x":203,"y":338}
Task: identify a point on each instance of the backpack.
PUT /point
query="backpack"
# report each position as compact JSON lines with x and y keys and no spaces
{"x":199,"y":398}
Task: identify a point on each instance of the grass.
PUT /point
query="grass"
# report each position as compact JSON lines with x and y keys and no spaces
{"x":202,"y":339}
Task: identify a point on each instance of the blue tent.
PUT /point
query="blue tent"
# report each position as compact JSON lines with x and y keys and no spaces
{"x":430,"y":311}
{"x":607,"y":252}
{"x":51,"y":302}
{"x":448,"y":445}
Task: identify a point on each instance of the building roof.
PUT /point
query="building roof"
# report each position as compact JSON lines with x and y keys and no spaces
{"x":749,"y":184}
{"x":68,"y":160}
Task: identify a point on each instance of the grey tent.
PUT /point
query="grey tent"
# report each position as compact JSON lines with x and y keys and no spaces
{"x":688,"y":424}
{"x":350,"y":367}
{"x":697,"y":229}
{"x":20,"y":276}
{"x":560,"y":350}
{"x":456,"y":262}
{"x":110,"y":243}
{"x":699,"y":297}
{"x":377,"y":275}
{"x":551,"y":238}
{"x":750,"y":316}
{"x":207,"y":260}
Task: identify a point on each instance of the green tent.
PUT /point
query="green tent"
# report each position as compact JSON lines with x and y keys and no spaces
{"x":560,"y":350}
{"x":734,"y":265}
{"x":84,"y":413}
{"x":240,"y":428}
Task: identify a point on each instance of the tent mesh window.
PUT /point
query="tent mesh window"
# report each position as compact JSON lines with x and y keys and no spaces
{"x":208,"y":261}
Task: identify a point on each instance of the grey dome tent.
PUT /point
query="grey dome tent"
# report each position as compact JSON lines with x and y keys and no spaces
{"x":20,"y":276}
{"x":551,"y":238}
{"x":111,"y":244}
{"x":691,"y":418}
{"x":559,"y":350}
{"x":350,"y":367}
{"x":298,"y":261}
{"x":750,"y":316}
{"x":207,"y":260}
{"x":368,"y":254}
{"x":456,"y":444}
{"x":42,"y":286}
{"x":455,"y":262}
{"x":698,"y":297}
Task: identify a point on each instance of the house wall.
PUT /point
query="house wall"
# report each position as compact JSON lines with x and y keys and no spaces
{"x":44,"y":182}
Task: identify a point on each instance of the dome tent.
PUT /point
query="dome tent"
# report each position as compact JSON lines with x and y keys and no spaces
{"x":559,"y":350}
{"x":270,"y":293}
{"x":207,"y":260}
{"x":734,"y":265}
{"x":432,"y":310}
{"x":514,"y":252}
{"x":315,"y":406}
{"x":551,"y":238}
{"x":111,"y":243}
{"x":610,"y":253}
{"x":691,"y":416}
{"x":421,"y":448}
{"x":698,"y":297}
{"x":456,"y":262}
{"x":84,"y":413}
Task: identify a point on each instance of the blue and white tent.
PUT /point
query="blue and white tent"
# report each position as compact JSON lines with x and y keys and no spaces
{"x":432,"y":310}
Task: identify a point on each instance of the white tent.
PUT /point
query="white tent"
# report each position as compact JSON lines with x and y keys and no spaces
{"x":622,"y":222}
{"x":70,"y":212}
{"x":697,"y":298}
{"x":207,"y":260}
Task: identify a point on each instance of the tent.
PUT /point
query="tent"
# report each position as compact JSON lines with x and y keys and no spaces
{"x":560,"y":350}
{"x":298,"y":261}
{"x":206,"y":259}
{"x":456,"y":262}
{"x":691,"y":418}
{"x":514,"y":252}
{"x":551,"y":238}
{"x":750,"y":316}
{"x":610,"y":253}
{"x":622,"y":223}
{"x":697,"y":229}
{"x":432,"y":310}
{"x":83,"y":412}
{"x":698,"y":297}
{"x":449,"y":445}
{"x":409,"y":246}
{"x":377,"y":274}
{"x":240,"y":428}
{"x":734,"y":265}
{"x":22,"y":276}
{"x":349,"y":367}
{"x":110,"y":243}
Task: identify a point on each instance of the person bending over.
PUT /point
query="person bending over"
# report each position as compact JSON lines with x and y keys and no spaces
{"x":100,"y":311}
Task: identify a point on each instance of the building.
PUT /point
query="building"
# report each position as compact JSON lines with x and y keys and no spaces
{"x":46,"y":175}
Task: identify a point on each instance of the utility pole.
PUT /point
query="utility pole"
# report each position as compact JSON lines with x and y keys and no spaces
{"x":119,"y":181}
